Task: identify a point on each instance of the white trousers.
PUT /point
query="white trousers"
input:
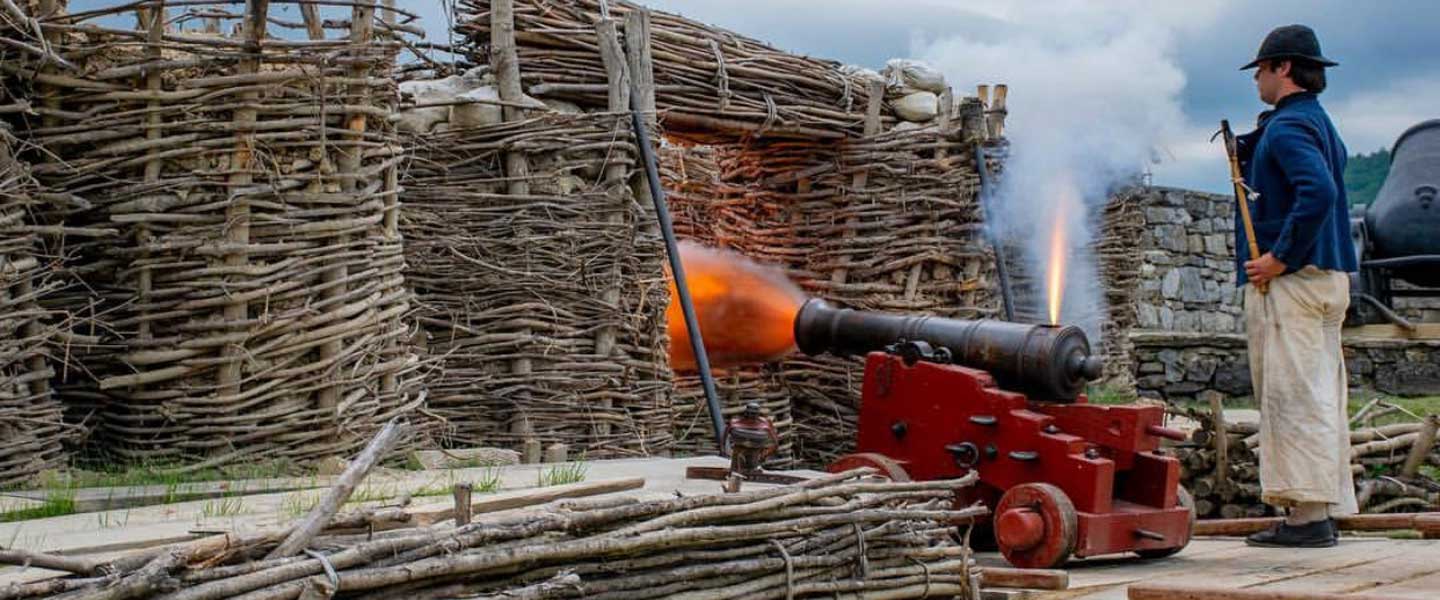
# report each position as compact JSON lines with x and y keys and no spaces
{"x":1298,"y":370}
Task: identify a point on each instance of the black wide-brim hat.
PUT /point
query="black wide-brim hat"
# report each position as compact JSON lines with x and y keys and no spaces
{"x":1292,"y":42}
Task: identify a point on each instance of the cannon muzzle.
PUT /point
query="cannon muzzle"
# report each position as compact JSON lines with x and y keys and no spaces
{"x":1046,"y":362}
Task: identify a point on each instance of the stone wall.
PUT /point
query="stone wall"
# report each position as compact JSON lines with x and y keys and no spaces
{"x":1177,"y":366}
{"x":1187,"y":276}
{"x":1188,"y":340}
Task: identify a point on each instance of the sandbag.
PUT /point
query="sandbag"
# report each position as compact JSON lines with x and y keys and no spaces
{"x":906,"y":74}
{"x":862,"y":72}
{"x":918,"y":107}
{"x":424,"y":120}
{"x":477,"y":115}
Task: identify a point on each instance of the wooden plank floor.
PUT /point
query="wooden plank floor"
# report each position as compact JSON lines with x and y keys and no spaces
{"x":1399,"y":568}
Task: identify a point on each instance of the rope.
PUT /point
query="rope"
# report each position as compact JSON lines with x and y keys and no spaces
{"x":721,"y":74}
{"x":926,"y":569}
{"x":329,"y":568}
{"x":861,"y":561}
{"x":772,"y":113}
{"x":789,"y":570}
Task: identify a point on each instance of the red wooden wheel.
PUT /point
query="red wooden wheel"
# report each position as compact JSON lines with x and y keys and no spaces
{"x":887,"y":466}
{"x":1035,"y":526}
{"x":1185,"y":500}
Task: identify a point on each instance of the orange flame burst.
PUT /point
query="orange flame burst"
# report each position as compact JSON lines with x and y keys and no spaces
{"x":746,"y":311}
{"x":1059,"y":250}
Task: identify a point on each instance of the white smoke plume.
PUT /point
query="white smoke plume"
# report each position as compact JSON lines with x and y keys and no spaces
{"x":1094,"y":95}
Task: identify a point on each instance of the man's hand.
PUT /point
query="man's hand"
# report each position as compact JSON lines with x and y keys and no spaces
{"x":1263,"y":269}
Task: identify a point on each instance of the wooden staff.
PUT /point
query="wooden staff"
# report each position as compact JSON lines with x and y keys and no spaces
{"x":1241,"y":196}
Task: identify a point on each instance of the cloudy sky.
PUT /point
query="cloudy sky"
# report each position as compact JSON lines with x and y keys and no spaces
{"x":1148,"y":80}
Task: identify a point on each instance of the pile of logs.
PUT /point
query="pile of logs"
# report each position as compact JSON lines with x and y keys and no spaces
{"x":838,"y":535}
{"x":1222,"y":471}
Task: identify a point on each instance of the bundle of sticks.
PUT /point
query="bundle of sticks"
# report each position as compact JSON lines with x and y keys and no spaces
{"x":1389,"y":463}
{"x":839,"y":535}
{"x":709,"y":79}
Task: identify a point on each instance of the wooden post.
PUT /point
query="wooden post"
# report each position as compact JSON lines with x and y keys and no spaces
{"x":531,"y":452}
{"x":1424,"y":442}
{"x":641,"y":61}
{"x":462,"y":492}
{"x":237,"y":215}
{"x":349,"y":165}
{"x":617,"y":192}
{"x":153,"y":21}
{"x":557,"y":453}
{"x":506,"y":63}
{"x":943,"y":130}
{"x":641,"y":66}
{"x":998,"y":112}
{"x":1222,"y":442}
{"x":876,"y":91}
{"x":311,"y":15}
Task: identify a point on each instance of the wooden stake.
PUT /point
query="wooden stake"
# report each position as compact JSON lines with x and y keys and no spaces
{"x":857,"y":183}
{"x":462,"y":493}
{"x":1424,"y":442}
{"x":557,"y":453}
{"x":617,"y":189}
{"x":237,"y":215}
{"x":1222,"y":442}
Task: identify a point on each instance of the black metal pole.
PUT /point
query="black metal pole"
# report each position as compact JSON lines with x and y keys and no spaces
{"x":667,"y":230}
{"x":1003,"y":271}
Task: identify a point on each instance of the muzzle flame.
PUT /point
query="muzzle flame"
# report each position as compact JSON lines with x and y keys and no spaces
{"x":746,"y":311}
{"x":1059,"y":254}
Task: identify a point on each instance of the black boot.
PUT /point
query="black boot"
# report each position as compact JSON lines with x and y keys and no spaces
{"x":1315,"y":534}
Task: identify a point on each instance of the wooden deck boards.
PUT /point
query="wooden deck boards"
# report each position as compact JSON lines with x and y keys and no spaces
{"x":1402,"y":568}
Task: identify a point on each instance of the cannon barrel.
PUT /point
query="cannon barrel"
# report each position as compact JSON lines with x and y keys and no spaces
{"x":1045,"y":362}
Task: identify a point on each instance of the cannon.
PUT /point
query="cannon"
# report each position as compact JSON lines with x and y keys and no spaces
{"x":1396,"y":235}
{"x":1064,"y":478}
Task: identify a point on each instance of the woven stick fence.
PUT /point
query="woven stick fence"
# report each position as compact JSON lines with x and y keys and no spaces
{"x":908,"y":238}
{"x":32,"y":430}
{"x":253,"y":291}
{"x":890,"y":223}
{"x":1122,"y":223}
{"x":709,"y":83}
{"x":512,"y":288}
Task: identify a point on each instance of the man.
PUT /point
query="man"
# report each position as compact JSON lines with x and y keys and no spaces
{"x":1293,"y":161}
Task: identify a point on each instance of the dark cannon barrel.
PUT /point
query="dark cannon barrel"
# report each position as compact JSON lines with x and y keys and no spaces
{"x":1043,"y":361}
{"x":1403,"y":220}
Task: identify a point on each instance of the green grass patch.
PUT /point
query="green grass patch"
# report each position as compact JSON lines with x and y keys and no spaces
{"x":171,"y":475}
{"x":227,"y":506}
{"x":573,"y":472}
{"x":58,"y":502}
{"x":1109,"y":395}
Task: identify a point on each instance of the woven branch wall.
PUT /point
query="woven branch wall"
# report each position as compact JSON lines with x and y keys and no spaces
{"x":711,"y":83}
{"x":32,"y":430}
{"x":547,"y":310}
{"x":907,"y":236}
{"x":237,"y":230}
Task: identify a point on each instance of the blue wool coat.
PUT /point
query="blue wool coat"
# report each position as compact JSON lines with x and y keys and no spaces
{"x":1295,"y":160}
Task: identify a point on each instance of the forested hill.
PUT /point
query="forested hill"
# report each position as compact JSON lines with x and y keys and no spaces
{"x":1363,"y":175}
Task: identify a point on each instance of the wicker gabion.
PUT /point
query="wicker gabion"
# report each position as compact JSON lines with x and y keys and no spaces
{"x":907,"y":236}
{"x":252,"y":290}
{"x":546,"y":311}
{"x":32,"y":430}
{"x":711,"y":83}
